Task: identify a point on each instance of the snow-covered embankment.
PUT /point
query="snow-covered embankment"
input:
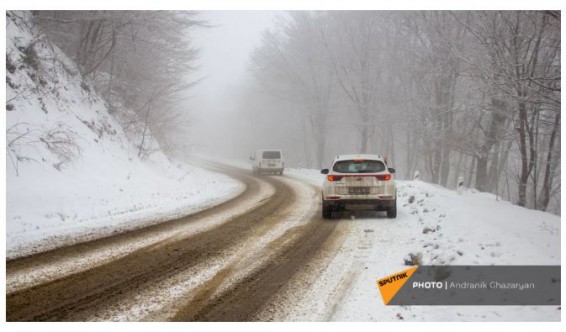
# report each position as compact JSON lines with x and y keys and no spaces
{"x":72,"y":173}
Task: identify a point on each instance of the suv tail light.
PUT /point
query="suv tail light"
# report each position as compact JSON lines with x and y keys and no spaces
{"x":334,"y":177}
{"x":384,"y":177}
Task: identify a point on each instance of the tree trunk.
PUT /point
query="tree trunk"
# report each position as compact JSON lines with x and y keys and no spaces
{"x":483,"y":182}
{"x":364,"y":136}
{"x":445,"y":168}
{"x":391,"y":149}
{"x":549,"y":170}
{"x":481,"y":172}
{"x":458,"y":167}
{"x":524,"y":173}
{"x":321,"y":144}
{"x":436,"y":162}
{"x":471,"y":174}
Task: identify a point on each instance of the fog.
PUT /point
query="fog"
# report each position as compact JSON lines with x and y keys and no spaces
{"x":467,"y":94}
{"x":448,"y":94}
{"x":223,"y":67}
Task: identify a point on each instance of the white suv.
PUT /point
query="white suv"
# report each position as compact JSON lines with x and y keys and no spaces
{"x":268,"y":161}
{"x":360,"y":181}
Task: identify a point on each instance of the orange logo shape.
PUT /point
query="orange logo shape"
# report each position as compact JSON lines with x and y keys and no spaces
{"x":390,"y":285}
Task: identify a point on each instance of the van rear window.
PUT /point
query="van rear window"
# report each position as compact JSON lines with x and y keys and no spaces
{"x":354,"y":166}
{"x":271,"y":155}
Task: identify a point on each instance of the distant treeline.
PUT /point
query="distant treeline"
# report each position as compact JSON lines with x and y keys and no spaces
{"x":447,"y":93}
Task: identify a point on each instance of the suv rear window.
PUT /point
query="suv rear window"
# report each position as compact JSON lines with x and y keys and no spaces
{"x":271,"y":155}
{"x":359,"y":166}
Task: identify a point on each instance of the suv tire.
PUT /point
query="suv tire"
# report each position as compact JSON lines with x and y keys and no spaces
{"x":392,"y":211}
{"x":326,"y":211}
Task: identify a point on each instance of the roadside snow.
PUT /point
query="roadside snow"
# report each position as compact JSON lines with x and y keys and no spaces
{"x":54,"y":210}
{"x":443,"y":228}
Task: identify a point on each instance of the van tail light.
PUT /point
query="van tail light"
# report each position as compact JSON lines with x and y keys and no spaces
{"x":384,"y":177}
{"x":334,"y":177}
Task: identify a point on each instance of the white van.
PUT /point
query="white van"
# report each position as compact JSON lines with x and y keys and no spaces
{"x":268,"y":161}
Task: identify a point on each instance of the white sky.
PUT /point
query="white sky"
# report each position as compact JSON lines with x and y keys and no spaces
{"x":226,"y":47}
{"x":225,"y":51}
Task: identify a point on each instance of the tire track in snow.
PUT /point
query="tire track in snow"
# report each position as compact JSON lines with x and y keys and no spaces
{"x":290,"y":241}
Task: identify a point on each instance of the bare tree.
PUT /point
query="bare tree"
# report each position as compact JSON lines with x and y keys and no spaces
{"x":473,"y":94}
{"x":129,"y":55}
{"x":523,"y":69}
{"x":291,"y":64}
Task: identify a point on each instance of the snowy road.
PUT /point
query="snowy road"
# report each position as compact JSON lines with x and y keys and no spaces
{"x":267,"y":255}
{"x":193,"y":268}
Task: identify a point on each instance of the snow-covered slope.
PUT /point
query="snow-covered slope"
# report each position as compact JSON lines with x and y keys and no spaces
{"x":71,"y":172}
{"x":441,"y":227}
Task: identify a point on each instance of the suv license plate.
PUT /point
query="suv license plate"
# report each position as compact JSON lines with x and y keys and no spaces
{"x":358,"y":190}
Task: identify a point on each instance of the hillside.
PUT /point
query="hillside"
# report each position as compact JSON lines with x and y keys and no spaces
{"x":72,"y":171}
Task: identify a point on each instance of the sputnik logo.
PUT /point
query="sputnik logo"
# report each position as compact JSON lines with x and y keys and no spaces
{"x":389,"y":286}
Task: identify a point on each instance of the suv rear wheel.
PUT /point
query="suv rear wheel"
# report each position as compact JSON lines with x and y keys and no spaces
{"x":327,"y":210}
{"x":392,"y":211}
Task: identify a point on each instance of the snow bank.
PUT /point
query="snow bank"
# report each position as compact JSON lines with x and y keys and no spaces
{"x":473,"y":222}
{"x":440,"y":227}
{"x":72,"y":174}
